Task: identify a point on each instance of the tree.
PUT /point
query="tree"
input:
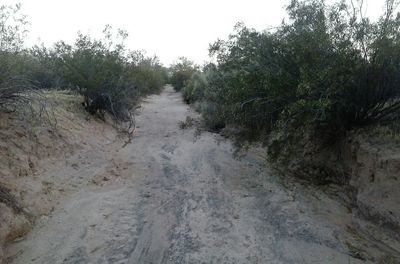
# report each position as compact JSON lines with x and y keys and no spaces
{"x":12,"y":33}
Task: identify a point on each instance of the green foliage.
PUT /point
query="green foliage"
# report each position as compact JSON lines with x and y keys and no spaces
{"x":194,"y":88}
{"x":12,"y":28}
{"x":329,"y":68}
{"x":148,"y":73}
{"x":325,"y":72}
{"x":181,"y":72}
{"x":110,"y":78}
{"x":99,"y":72}
{"x":12,"y":33}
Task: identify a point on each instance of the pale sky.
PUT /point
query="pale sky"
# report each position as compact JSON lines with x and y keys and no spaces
{"x":167,"y":28}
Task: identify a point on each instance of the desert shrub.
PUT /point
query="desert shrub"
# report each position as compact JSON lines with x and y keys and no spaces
{"x":12,"y":28}
{"x":326,"y":71}
{"x":149,"y":75}
{"x":109,"y":77}
{"x":328,"y":67}
{"x":12,"y":62}
{"x":212,"y":117}
{"x":347,"y":67}
{"x":194,"y":88}
{"x":181,"y":72}
{"x":45,"y":68}
{"x":98,"y":73}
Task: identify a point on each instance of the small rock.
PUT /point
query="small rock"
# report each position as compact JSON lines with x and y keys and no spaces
{"x":75,"y":166}
{"x":18,"y":239}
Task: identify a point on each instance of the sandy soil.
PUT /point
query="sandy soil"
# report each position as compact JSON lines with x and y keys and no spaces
{"x":174,"y":196}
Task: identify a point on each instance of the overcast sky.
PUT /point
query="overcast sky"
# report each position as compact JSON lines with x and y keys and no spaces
{"x":168,"y":28}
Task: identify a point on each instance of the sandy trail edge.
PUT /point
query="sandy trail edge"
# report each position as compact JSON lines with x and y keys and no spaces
{"x":186,"y":199}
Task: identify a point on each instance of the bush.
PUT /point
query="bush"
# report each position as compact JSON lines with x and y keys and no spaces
{"x":99,"y":73}
{"x":45,"y":69}
{"x":110,"y":78}
{"x":328,"y":68}
{"x":325,"y":72}
{"x":149,"y":75}
{"x":212,"y":116}
{"x":12,"y":33}
{"x":181,"y":72}
{"x":194,"y":88}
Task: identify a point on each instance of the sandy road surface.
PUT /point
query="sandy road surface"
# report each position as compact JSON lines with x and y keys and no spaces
{"x":188,"y":200}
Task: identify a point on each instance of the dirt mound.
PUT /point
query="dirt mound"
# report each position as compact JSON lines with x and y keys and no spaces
{"x":39,"y":158}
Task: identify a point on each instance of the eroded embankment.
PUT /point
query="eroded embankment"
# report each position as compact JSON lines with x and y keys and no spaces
{"x":373,"y":166}
{"x":45,"y":158}
{"x":366,"y":165}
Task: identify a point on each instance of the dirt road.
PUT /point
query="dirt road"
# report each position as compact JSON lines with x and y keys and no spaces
{"x":187,"y":199}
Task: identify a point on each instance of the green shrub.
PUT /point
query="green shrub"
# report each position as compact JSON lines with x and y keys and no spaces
{"x":181,"y":72}
{"x":45,"y":69}
{"x":149,"y":75}
{"x":12,"y":63}
{"x":110,"y":78}
{"x":212,"y":117}
{"x":194,"y":88}
{"x":328,"y":69}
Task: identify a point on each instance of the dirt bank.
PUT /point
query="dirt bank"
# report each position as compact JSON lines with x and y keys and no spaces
{"x":45,"y":159}
{"x":373,"y":166}
{"x":176,"y":196}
